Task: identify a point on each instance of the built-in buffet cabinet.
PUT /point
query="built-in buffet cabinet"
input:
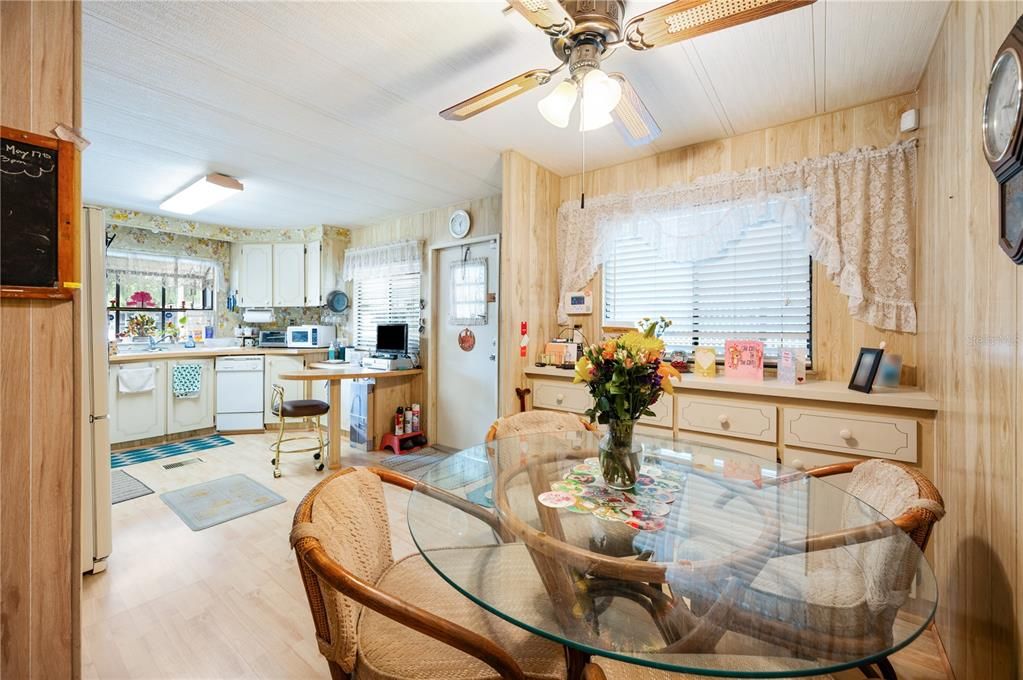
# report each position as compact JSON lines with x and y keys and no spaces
{"x":285,"y":274}
{"x":802,"y":426}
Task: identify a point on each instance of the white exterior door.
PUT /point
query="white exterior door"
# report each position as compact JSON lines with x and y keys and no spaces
{"x":289,"y":274}
{"x":466,"y":353}
{"x":255,"y":287}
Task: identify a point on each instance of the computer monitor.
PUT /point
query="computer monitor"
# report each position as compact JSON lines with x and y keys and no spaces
{"x":392,"y":338}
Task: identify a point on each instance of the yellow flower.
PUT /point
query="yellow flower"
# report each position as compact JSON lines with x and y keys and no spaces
{"x":640,"y":346}
{"x":582,"y":370}
{"x":667,"y":372}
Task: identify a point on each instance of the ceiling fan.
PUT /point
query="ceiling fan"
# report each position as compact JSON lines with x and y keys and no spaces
{"x":583,"y":32}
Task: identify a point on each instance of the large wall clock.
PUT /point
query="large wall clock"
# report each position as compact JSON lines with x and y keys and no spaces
{"x":1003,"y":139}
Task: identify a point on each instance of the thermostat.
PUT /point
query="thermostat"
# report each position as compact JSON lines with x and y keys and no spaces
{"x":579,"y":302}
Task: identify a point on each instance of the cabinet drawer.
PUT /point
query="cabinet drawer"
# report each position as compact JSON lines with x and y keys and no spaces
{"x":765,"y":451}
{"x":858,"y":434}
{"x":662,"y":410}
{"x":561,"y":395}
{"x":735,"y":419}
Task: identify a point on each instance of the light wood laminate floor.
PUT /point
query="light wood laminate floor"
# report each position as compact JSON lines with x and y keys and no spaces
{"x":227,"y":602}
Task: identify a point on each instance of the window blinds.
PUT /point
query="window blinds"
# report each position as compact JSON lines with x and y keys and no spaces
{"x":758,"y":288}
{"x":384,"y":300}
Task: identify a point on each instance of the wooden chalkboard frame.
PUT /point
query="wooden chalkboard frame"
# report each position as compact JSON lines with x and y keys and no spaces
{"x":67,"y":217}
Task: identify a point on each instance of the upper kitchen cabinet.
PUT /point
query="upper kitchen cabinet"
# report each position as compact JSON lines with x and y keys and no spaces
{"x":289,"y":277}
{"x":313,"y":290}
{"x":255,"y":273}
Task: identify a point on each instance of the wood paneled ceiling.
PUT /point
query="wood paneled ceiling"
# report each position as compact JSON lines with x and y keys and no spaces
{"x":327,"y":111}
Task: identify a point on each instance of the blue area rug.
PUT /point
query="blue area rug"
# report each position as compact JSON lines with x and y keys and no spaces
{"x":201,"y":506}
{"x":123,"y":458}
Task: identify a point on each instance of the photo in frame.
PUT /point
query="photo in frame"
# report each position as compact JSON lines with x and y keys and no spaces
{"x":867,"y":365}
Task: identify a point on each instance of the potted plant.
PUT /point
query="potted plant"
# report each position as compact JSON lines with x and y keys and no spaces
{"x":625,"y":376}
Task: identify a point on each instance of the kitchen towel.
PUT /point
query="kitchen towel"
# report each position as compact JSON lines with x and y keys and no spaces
{"x":186,"y":380}
{"x":131,"y":380}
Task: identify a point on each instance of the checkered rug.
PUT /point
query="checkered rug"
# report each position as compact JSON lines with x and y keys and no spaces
{"x":124,"y":458}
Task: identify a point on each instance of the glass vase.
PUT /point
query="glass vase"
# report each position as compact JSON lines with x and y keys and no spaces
{"x":620,"y":457}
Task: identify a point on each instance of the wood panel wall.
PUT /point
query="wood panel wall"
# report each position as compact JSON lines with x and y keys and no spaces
{"x":39,"y":575}
{"x":971,"y":350}
{"x":529,"y":269}
{"x":431,"y":227}
{"x":837,"y":336}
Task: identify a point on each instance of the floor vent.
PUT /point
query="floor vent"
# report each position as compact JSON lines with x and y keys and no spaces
{"x":182,"y":463}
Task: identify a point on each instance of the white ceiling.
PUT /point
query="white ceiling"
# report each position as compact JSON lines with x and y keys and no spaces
{"x":327,"y":112}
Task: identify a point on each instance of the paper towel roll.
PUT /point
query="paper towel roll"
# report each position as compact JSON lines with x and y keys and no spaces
{"x":258,"y":315}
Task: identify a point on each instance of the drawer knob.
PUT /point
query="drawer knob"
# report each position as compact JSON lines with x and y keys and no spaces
{"x":798,"y":464}
{"x":559,"y":398}
{"x":845,"y":434}
{"x":723,"y":419}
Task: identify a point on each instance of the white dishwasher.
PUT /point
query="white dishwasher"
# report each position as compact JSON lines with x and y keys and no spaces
{"x":239,"y":393}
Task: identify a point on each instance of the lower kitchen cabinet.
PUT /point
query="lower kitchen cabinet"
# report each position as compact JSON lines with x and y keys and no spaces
{"x":138,"y":415}
{"x":293,"y":389}
{"x":191,"y":413}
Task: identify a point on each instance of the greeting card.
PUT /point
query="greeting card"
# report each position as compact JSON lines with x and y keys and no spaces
{"x":744,"y":359}
{"x":787,"y":367}
{"x":705,"y":361}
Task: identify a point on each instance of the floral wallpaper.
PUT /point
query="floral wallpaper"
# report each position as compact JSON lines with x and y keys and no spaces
{"x":140,"y":232}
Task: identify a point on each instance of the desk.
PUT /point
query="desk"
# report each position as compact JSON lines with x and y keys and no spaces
{"x":335,"y":373}
{"x":803,"y":578}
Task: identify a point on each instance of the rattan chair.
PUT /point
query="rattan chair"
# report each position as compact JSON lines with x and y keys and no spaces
{"x":897,"y":491}
{"x":537,"y":422}
{"x":296,"y":408}
{"x":377,"y":619}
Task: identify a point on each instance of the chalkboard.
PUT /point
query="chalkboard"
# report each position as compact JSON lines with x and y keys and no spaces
{"x":29,"y":214}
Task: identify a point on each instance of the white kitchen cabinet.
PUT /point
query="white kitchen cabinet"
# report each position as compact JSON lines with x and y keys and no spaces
{"x":255,"y":275}
{"x":288,"y":274}
{"x":138,"y":415}
{"x":293,"y":389}
{"x":313,"y":288}
{"x":191,"y":413}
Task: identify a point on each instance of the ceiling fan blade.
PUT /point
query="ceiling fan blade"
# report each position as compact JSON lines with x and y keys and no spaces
{"x":547,"y":15}
{"x":685,"y":19}
{"x":631,"y":116}
{"x":498,"y":94}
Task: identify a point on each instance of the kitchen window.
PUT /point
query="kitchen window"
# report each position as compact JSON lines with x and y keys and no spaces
{"x":159,"y":294}
{"x":758,"y":287}
{"x":386,"y":300}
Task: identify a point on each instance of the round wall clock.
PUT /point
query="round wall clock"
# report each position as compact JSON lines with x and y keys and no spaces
{"x":1002,"y":133}
{"x":459,"y":223}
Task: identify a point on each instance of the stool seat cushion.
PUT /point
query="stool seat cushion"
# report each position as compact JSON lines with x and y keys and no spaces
{"x":302,"y":408}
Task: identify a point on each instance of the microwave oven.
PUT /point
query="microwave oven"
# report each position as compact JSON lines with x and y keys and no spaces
{"x":310,"y":336}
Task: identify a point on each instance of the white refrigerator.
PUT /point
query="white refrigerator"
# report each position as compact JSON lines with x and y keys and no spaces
{"x":95,"y":423}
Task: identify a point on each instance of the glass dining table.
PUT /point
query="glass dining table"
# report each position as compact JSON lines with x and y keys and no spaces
{"x":716,"y":563}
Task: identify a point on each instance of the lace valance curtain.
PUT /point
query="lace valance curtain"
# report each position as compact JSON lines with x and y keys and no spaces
{"x":405,"y":257}
{"x":168,"y":272}
{"x":859,"y":207}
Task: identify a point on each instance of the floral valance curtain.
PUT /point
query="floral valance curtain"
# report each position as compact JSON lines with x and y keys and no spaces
{"x":860,"y":214}
{"x":405,"y":257}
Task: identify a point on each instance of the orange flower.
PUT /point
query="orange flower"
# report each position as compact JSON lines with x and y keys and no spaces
{"x":667,"y":372}
{"x":628,"y":362}
{"x":610,"y":347}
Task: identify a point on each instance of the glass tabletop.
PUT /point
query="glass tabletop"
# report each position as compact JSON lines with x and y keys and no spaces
{"x":716,"y":563}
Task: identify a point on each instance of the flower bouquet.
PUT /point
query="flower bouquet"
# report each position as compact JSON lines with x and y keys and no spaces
{"x":625,"y":376}
{"x":141,"y":326}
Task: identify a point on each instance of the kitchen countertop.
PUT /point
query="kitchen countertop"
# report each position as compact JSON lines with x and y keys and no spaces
{"x":201,"y":352}
{"x":811,"y":390}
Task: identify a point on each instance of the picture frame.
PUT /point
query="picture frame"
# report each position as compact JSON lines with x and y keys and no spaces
{"x":865,"y":370}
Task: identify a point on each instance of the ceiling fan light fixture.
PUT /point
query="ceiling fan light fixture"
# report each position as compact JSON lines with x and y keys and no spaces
{"x":602,"y":92}
{"x":556,"y":108}
{"x":592,"y":117}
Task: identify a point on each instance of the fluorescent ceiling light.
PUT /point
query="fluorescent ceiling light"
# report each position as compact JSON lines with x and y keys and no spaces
{"x":202,"y":193}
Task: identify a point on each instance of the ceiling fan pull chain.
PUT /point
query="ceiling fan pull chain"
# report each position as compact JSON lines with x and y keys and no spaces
{"x":582,"y":185}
